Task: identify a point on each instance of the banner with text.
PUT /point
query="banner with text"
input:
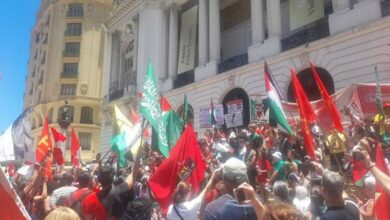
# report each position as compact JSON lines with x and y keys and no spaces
{"x":204,"y":116}
{"x":303,"y":12}
{"x":233,"y":120}
{"x":188,"y":33}
{"x":234,"y":106}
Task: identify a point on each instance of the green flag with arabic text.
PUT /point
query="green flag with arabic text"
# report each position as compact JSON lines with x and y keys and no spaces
{"x":151,"y":109}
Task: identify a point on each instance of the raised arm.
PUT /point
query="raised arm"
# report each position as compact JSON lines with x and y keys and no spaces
{"x":378,"y":174}
{"x":250,"y":194}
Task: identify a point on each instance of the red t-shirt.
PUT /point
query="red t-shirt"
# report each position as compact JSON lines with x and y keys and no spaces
{"x":91,"y":205}
{"x":264,"y":165}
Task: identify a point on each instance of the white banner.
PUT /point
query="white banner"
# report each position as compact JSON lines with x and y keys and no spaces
{"x":187,"y":49}
{"x":303,"y":12}
{"x":204,"y":116}
{"x":234,"y":106}
{"x":233,"y":120}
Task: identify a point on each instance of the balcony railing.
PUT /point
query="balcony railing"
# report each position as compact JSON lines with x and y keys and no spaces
{"x":116,"y":94}
{"x":319,"y":30}
{"x":233,"y":63}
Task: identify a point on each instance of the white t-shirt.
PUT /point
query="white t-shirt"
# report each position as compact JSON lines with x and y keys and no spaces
{"x":188,"y":210}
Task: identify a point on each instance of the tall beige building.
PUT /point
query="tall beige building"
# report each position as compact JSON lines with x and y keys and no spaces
{"x":66,"y":63}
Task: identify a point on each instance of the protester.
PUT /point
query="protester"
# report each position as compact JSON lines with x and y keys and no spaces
{"x":336,"y":142}
{"x":302,"y":200}
{"x":250,"y":158}
{"x":183,"y":208}
{"x":58,"y":197}
{"x":279,"y":167}
{"x":380,"y":176}
{"x":93,"y":206}
{"x":367,"y":209}
{"x":75,"y":198}
{"x":332,"y":190}
{"x":62,"y":213}
{"x":230,"y":205}
{"x":280,"y":189}
{"x":263,"y":166}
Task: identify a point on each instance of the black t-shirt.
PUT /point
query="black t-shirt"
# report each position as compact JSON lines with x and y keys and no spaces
{"x":118,"y":198}
{"x":347,"y":212}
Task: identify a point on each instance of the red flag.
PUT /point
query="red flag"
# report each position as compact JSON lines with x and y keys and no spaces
{"x":185,"y":163}
{"x":134,"y":116}
{"x":9,"y":208}
{"x":306,"y":114}
{"x":11,"y":168}
{"x":329,"y":103}
{"x":58,"y":137}
{"x":74,"y":150}
{"x":165,"y":106}
{"x":48,"y":170}
{"x":44,"y":144}
{"x":58,"y":155}
{"x":359,"y":171}
{"x":382,"y":204}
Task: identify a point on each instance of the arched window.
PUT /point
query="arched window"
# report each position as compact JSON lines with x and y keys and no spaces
{"x":86,"y":115}
{"x":309,"y":84}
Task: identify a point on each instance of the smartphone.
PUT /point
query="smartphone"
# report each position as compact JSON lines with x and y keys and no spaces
{"x":357,"y":155}
{"x":240,"y":195}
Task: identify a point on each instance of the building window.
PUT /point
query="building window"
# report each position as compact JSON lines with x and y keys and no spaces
{"x":68,"y":89}
{"x":85,"y":141}
{"x":70,"y":70}
{"x":86,"y":115}
{"x":72,"y":49}
{"x":75,"y":10}
{"x":73,"y":29}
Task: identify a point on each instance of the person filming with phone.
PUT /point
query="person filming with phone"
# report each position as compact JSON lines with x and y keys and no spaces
{"x":231,"y":205}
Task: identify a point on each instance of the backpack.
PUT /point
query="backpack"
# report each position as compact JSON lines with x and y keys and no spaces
{"x":75,"y":204}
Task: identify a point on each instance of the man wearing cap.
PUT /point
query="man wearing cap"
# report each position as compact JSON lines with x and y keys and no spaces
{"x":227,"y":206}
{"x":279,"y":170}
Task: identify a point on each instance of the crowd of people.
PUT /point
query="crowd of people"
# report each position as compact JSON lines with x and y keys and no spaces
{"x":258,"y":172}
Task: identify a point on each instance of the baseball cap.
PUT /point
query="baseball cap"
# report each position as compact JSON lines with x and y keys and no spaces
{"x":277,"y":155}
{"x":235,"y":169}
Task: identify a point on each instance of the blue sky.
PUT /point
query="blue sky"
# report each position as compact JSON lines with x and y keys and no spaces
{"x":16,"y":21}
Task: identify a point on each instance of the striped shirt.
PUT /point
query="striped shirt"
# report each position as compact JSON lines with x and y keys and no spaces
{"x":58,"y":197}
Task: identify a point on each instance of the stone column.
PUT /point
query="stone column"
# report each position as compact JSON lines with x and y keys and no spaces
{"x":173,"y":41}
{"x":340,"y":4}
{"x":257,"y":21}
{"x":215,"y":31}
{"x":203,"y":33}
{"x":274,"y":18}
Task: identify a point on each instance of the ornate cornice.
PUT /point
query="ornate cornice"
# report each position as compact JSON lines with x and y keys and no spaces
{"x":120,"y":10}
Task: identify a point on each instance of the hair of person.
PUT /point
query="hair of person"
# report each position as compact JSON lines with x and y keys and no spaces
{"x":67,"y":178}
{"x":62,"y":213}
{"x":332,"y":184}
{"x":84,"y":179}
{"x":105,"y":177}
{"x":281,"y":210}
{"x":181,"y":192}
{"x":280,"y":189}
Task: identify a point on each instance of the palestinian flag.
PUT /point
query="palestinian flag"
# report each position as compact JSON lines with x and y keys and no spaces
{"x":275,"y":109}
